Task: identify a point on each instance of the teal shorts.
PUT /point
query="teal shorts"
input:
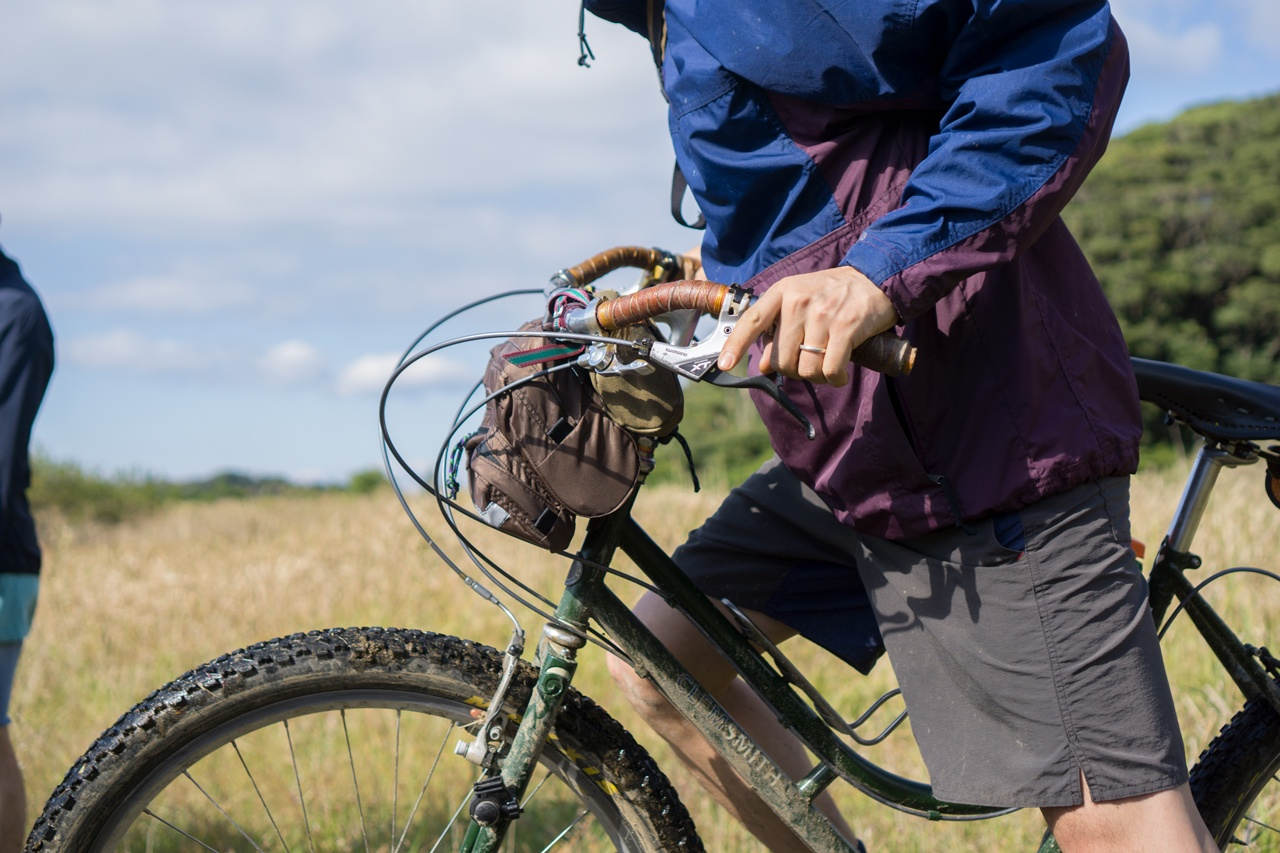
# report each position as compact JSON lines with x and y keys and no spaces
{"x":17,"y":605}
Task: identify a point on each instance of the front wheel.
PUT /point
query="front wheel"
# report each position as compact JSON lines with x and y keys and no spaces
{"x":1234,"y":782}
{"x":342,"y":740}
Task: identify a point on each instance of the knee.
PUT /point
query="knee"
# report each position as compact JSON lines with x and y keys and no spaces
{"x":643,"y":695}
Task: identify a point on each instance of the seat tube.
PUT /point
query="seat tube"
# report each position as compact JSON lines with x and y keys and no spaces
{"x":1209,"y":462}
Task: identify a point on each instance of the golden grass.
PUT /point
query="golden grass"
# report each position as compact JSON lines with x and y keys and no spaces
{"x":125,"y":609}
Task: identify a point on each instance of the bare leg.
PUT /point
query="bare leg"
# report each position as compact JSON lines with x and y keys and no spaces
{"x":717,"y":675}
{"x":13,"y":800}
{"x":1166,"y":821}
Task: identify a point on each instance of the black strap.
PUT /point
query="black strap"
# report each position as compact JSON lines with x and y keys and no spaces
{"x":678,"y":187}
{"x":688,"y":455}
{"x":656,"y":22}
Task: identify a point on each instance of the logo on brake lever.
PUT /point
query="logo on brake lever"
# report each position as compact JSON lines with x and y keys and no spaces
{"x":695,"y":360}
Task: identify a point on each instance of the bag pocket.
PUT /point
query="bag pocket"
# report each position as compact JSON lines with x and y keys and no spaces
{"x":510,"y":497}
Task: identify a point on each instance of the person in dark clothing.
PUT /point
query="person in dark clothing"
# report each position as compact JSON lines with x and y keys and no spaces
{"x":26,"y":363}
{"x":862,"y":167}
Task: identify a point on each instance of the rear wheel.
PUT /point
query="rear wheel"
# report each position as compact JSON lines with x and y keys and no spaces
{"x":1234,"y":782}
{"x":342,"y":740}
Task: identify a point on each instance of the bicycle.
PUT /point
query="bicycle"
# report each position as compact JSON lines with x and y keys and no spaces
{"x":138,"y":786}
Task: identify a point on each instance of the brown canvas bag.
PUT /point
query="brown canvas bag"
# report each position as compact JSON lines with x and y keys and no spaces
{"x":546,"y":450}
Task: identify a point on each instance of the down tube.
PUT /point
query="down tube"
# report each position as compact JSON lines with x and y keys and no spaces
{"x":744,"y":756}
{"x":874,"y":781}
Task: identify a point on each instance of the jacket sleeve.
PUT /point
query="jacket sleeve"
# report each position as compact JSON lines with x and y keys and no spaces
{"x":1033,"y":89}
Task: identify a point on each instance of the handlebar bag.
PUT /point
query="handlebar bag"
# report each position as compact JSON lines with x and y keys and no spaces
{"x":546,"y":450}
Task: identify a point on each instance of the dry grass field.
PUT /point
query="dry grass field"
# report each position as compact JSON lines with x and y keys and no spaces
{"x":126,"y":608}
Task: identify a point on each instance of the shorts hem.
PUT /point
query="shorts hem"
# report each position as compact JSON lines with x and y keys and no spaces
{"x":1165,"y":783}
{"x":1067,"y":797}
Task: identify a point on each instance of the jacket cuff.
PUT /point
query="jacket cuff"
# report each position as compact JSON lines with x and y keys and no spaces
{"x":883,"y":265}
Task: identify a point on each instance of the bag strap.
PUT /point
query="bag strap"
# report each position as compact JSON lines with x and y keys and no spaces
{"x":656,"y":21}
{"x":679,"y":185}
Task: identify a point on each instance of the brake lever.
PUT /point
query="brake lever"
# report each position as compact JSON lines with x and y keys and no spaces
{"x":698,"y":361}
{"x":698,"y":358}
{"x":767,"y":384}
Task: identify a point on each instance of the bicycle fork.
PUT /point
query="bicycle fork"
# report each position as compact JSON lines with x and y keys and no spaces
{"x":496,"y":800}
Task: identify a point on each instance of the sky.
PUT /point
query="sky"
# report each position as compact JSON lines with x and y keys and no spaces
{"x":239,"y":214}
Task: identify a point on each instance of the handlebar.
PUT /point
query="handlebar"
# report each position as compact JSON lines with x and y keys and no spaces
{"x":568,"y":309}
{"x":886,"y":353}
{"x":600,"y":265}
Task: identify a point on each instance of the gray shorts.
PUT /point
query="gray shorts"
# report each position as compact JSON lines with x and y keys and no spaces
{"x":1025,"y":648}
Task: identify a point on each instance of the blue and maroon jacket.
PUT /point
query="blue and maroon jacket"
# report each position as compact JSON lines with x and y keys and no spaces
{"x":930,"y":144}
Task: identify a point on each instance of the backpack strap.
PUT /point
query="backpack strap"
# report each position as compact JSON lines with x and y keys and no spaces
{"x":656,"y":21}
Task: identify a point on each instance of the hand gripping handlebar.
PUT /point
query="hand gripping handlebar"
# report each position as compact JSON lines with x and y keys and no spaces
{"x":885,"y":352}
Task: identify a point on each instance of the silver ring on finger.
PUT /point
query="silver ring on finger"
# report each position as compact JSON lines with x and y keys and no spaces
{"x":813,"y":349}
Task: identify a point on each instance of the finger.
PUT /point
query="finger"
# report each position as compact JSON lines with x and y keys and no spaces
{"x":786,"y":346}
{"x":835,"y":364}
{"x":754,"y":322}
{"x":835,"y":367}
{"x":691,"y":265}
{"x":766,"y":359}
{"x":810,"y":367}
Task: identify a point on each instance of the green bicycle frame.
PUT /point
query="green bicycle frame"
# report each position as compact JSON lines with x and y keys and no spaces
{"x":586,"y":597}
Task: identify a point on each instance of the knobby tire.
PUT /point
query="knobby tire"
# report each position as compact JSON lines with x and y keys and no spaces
{"x":1232,"y":773}
{"x":241,"y":694}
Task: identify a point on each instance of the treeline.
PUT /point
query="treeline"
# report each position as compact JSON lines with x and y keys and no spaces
{"x":1181,"y":221}
{"x":80,"y":495}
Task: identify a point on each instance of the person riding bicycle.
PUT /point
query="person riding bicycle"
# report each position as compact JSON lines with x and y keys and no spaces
{"x":891,"y":165}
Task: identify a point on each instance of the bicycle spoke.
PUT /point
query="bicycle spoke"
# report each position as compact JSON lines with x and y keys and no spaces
{"x":536,"y":788}
{"x":219,"y":807}
{"x":1257,"y":822}
{"x":351,"y":759}
{"x":564,"y":833}
{"x":261,"y":799}
{"x":452,"y":820}
{"x":306,"y":820}
{"x":149,"y":813}
{"x":431,"y":772}
{"x":395,"y":782}
{"x":192,"y":792}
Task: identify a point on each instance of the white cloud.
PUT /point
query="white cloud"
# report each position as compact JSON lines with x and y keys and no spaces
{"x":1187,"y":51}
{"x":158,"y":294}
{"x":292,"y":361}
{"x":368,"y":374}
{"x":237,"y":114}
{"x":127,"y":349}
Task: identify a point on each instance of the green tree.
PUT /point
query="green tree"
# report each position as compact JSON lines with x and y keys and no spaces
{"x":1181,"y":221}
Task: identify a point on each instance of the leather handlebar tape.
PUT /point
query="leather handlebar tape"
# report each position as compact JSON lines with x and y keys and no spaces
{"x":642,"y":305}
{"x":609,"y":260}
{"x":885,"y":352}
